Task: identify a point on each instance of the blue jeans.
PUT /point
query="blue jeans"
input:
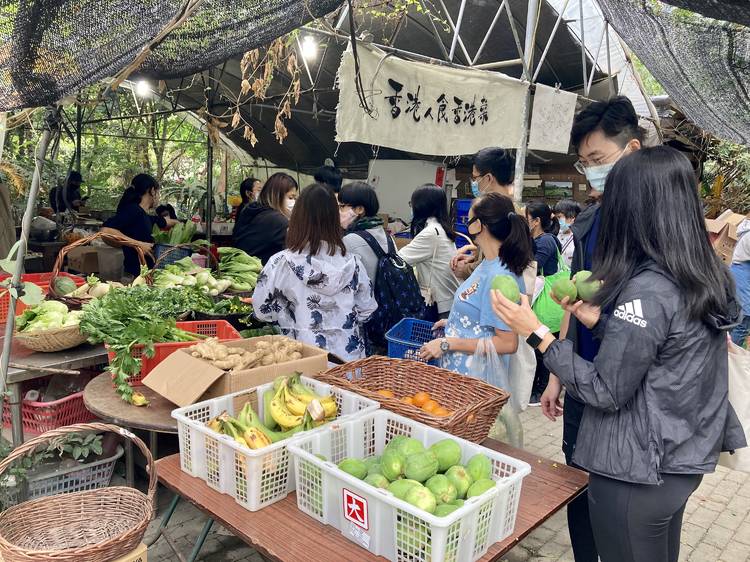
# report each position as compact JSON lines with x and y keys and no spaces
{"x":741,"y":332}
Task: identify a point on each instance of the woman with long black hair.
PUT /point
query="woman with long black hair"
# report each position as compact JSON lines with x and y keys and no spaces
{"x":544,"y":228}
{"x":432,"y":246}
{"x":132,"y":220}
{"x":656,"y":408}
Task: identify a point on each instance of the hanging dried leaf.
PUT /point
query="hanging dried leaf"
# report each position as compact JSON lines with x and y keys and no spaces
{"x":236,"y":119}
{"x":286,"y":109}
{"x":249,"y":135}
{"x":162,"y":86}
{"x":259,"y":88}
{"x":296,"y":90}
{"x":291,"y":65}
{"x":254,"y":57}
{"x":245,"y":87}
{"x":280,"y":131}
{"x":268,"y":70}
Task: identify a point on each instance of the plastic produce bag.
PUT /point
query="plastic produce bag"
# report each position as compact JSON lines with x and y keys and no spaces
{"x":739,"y":398}
{"x":488,"y":366}
{"x":521,"y":371}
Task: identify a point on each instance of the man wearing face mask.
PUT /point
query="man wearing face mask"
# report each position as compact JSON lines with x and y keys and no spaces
{"x":602,"y":133}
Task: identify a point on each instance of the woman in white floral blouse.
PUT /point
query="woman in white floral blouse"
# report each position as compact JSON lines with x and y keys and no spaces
{"x":314,"y":291}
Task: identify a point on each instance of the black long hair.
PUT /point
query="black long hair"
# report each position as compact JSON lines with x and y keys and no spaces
{"x":430,"y":201}
{"x":651,"y":211}
{"x":497,"y":214}
{"x":139,"y":186}
{"x":540,"y":210}
{"x":246,"y":189}
{"x":360,"y":193}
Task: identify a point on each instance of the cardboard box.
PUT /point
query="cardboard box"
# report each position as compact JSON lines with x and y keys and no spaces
{"x":184,"y":380}
{"x":723,"y":233}
{"x":84,"y":259}
{"x":140,"y":554}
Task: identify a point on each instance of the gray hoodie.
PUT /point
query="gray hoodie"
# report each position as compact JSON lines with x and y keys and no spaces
{"x":656,"y":394}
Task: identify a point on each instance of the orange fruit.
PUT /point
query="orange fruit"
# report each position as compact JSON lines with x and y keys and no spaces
{"x":408,"y":400}
{"x":440,"y":412}
{"x":430,"y":405}
{"x":386,"y":393}
{"x":420,"y":398}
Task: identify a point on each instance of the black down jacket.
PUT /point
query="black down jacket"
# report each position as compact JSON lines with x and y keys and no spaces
{"x":656,"y":394}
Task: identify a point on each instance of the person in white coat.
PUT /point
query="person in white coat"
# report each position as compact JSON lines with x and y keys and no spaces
{"x":432,"y":247}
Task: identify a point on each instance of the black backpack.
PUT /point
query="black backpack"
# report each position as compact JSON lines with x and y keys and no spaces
{"x":396,"y":291}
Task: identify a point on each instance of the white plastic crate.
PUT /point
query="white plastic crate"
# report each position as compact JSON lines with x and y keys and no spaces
{"x":386,"y":526}
{"x":254,"y":478}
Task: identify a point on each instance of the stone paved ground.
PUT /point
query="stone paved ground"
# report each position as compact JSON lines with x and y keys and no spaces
{"x":716,"y":527}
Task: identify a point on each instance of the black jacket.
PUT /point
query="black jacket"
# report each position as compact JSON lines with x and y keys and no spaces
{"x":260,"y":231}
{"x":581,"y":230}
{"x":657,"y":393}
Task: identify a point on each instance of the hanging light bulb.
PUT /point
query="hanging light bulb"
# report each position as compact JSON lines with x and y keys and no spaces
{"x":309,"y":47}
{"x":142,"y":88}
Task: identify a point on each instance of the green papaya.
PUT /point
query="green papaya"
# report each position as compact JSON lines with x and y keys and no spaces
{"x":420,"y":466}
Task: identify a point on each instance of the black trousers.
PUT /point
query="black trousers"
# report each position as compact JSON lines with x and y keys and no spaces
{"x":639,"y":522}
{"x":579,"y":523}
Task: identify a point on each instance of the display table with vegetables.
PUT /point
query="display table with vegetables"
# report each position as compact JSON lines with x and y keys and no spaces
{"x":283,"y":533}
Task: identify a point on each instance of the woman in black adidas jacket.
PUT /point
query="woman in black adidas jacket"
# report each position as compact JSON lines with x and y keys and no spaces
{"x":657,"y":412}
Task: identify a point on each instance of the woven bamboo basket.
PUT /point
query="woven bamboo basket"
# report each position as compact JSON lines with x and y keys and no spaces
{"x":50,"y":341}
{"x":75,"y":303}
{"x":473,"y":403}
{"x":92,"y":526}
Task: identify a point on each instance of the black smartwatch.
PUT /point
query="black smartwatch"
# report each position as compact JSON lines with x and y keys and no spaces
{"x":536,"y":337}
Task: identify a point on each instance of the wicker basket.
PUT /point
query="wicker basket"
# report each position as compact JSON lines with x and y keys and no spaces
{"x":50,"y":341}
{"x":96,"y":525}
{"x":75,"y":303}
{"x":474,"y":403}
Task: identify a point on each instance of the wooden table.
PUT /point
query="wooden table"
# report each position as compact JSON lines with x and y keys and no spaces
{"x":282,"y":532}
{"x":101,"y":400}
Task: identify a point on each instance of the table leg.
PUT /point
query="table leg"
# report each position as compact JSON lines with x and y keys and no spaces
{"x":16,"y":420}
{"x":201,"y":539}
{"x":165,"y":519}
{"x":129,"y":464}
{"x":153,"y":443}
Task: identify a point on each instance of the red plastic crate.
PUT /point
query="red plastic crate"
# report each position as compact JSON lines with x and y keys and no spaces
{"x":39,"y":417}
{"x":211,"y":328}
{"x":40,"y":279}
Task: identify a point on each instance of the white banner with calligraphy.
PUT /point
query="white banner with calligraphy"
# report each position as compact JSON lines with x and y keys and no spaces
{"x":427,"y":109}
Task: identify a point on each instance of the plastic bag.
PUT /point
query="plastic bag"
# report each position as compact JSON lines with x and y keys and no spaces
{"x":547,"y":310}
{"x":487,"y":365}
{"x":521,"y":371}
{"x":739,"y":398}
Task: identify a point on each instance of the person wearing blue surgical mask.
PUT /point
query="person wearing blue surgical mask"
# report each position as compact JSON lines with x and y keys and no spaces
{"x":602,"y":134}
{"x":566,"y":212}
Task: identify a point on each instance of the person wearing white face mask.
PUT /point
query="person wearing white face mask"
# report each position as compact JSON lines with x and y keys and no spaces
{"x":260,"y":228}
{"x":602,"y":134}
{"x":358,"y":212}
{"x":566,"y":212}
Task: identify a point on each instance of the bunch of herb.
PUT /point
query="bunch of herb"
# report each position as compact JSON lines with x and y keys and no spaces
{"x":133,"y":316}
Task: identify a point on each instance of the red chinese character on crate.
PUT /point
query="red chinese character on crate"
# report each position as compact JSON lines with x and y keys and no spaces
{"x":355,"y":509}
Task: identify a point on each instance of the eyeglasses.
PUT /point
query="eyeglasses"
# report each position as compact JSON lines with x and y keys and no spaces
{"x":471,"y":221}
{"x":475,"y":178}
{"x":581,"y":166}
{"x":343,"y":205}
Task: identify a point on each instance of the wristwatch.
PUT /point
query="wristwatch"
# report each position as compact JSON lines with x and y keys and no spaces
{"x":445,"y":347}
{"x":536,"y":337}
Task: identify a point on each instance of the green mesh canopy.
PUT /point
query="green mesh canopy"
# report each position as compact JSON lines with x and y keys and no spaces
{"x":703,"y":63}
{"x":49,"y":49}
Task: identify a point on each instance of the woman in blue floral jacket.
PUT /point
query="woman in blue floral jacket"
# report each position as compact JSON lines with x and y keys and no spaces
{"x":314,"y":291}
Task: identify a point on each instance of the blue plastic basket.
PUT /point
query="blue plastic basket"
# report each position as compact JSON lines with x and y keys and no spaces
{"x":463,"y":229}
{"x":407,"y":337}
{"x":176,"y":255}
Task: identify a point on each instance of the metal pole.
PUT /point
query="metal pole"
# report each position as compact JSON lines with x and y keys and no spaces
{"x":610,"y":83}
{"x":453,"y":27}
{"x":51,"y":120}
{"x":79,"y":133}
{"x":489,"y":32}
{"x":596,"y":62}
{"x":457,"y":31}
{"x":583,"y":42}
{"x":209,"y":163}
{"x":549,"y":42}
{"x":499,"y":64}
{"x":532,"y":13}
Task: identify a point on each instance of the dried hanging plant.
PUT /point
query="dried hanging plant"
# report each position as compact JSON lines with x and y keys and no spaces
{"x":258,"y":68}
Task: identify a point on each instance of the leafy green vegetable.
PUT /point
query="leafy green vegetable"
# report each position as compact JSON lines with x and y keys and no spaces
{"x":48,"y":315}
{"x":131,"y":316}
{"x":241,"y":269}
{"x":181,"y":233}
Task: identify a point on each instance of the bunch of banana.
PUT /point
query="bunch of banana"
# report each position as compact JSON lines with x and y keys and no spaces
{"x":290,"y":400}
{"x":248,"y":418}
{"x":243,"y":434}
